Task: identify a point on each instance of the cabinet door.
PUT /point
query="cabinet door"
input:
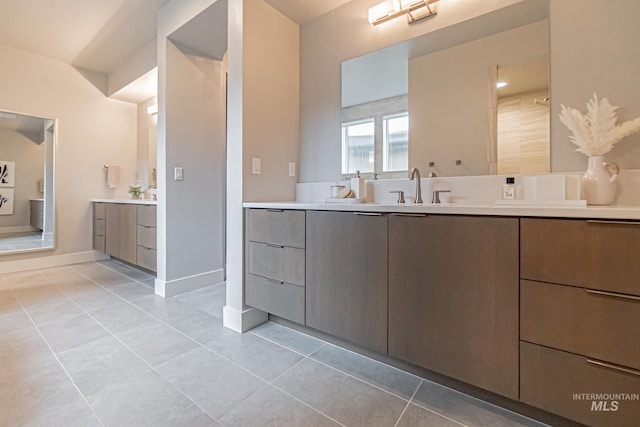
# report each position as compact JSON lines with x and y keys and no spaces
{"x":591,"y":254}
{"x":347,"y":276}
{"x":569,"y":385}
{"x":581,"y":321}
{"x":453,"y":297}
{"x":120,"y":227}
{"x":128,"y":233}
{"x":112,"y":227}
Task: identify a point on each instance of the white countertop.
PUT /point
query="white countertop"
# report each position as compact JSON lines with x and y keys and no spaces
{"x":592,"y":212}
{"x":128,"y":201}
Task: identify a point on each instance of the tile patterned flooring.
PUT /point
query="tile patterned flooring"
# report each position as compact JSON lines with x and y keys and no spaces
{"x":91,"y":345}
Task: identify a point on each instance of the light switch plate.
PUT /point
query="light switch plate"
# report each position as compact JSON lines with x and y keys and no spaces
{"x":292,"y":169}
{"x":177,"y":174}
{"x":255,"y":165}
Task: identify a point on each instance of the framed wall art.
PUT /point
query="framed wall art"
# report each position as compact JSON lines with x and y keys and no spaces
{"x":7,"y":174}
{"x":6,"y":201}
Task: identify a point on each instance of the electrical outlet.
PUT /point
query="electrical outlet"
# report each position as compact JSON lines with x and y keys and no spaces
{"x":255,"y":165}
{"x":292,"y":169}
{"x":177,"y":174}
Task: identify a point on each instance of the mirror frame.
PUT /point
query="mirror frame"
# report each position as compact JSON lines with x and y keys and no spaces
{"x":49,"y":175}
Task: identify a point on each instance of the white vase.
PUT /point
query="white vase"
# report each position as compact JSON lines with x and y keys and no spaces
{"x":598,"y":185}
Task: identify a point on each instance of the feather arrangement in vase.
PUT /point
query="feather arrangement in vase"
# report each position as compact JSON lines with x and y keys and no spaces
{"x":596,"y":132}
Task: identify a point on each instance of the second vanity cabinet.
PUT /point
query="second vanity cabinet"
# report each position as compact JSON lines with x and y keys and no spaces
{"x":453,"y":297}
{"x":126,"y":231}
{"x":347,"y":276}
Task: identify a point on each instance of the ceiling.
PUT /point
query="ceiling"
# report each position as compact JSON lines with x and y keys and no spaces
{"x":100,"y":35}
{"x":94,"y":35}
{"x":303,"y":11}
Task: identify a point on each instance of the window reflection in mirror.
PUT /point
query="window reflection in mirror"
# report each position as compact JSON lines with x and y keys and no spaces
{"x":26,"y":192}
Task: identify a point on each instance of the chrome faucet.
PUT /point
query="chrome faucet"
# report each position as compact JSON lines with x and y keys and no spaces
{"x":415,"y":173}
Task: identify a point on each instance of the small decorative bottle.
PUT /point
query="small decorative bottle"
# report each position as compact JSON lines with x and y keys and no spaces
{"x":509,"y":189}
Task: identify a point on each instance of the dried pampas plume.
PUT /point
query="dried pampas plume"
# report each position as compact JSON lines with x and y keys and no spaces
{"x":596,"y":132}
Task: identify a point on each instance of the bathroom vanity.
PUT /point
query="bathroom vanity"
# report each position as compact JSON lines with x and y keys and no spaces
{"x":36,"y":213}
{"x":535,"y":304}
{"x":126,"y":229}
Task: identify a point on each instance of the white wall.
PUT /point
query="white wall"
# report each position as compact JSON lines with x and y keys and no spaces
{"x":340,"y":35}
{"x":191,"y":131}
{"x":29,"y":166}
{"x":270,"y":88}
{"x":448,"y":99}
{"x":92,"y":130}
{"x":594,"y":48}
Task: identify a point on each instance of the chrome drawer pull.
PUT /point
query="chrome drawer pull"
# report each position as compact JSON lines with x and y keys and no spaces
{"x":368,"y":213}
{"x":275,"y":210}
{"x":602,"y":221}
{"x":273,"y":245}
{"x":274,"y":281}
{"x":410,"y":215}
{"x":613,"y":294}
{"x":614,"y":367}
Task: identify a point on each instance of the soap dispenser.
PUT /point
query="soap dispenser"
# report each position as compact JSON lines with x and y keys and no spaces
{"x":509,"y":189}
{"x":358,"y":187}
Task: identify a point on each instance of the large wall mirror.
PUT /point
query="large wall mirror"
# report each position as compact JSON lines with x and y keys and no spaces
{"x":476,"y":93}
{"x":26,"y":182}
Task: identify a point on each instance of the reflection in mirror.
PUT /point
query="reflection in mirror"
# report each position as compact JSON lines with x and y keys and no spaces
{"x":446,"y":78}
{"x":523,"y":117}
{"x":26,"y":182}
{"x":153,"y":157}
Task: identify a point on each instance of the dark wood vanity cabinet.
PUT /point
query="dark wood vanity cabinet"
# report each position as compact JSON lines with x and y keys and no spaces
{"x":579,"y":317}
{"x":347,"y":276}
{"x":453,"y":297}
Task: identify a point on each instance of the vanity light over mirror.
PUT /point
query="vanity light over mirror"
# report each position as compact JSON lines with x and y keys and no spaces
{"x":459,"y":121}
{"x":26,"y":182}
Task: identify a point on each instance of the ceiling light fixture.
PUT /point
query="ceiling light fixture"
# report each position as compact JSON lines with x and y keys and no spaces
{"x":414,"y":9}
{"x":501,"y":84}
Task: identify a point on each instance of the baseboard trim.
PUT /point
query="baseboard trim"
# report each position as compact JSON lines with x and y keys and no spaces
{"x":242,"y":320}
{"x":17,"y":229}
{"x":170,"y":288}
{"x":50,"y":261}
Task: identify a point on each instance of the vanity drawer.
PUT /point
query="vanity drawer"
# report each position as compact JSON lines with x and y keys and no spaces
{"x":147,"y":236}
{"x":147,"y":258}
{"x":99,"y":226}
{"x":99,"y":210}
{"x":283,"y":227}
{"x":581,"y":321}
{"x":281,"y":299}
{"x":98,"y":243}
{"x":277,"y":262}
{"x":552,"y":379}
{"x":147,"y":215}
{"x":599,"y":255}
